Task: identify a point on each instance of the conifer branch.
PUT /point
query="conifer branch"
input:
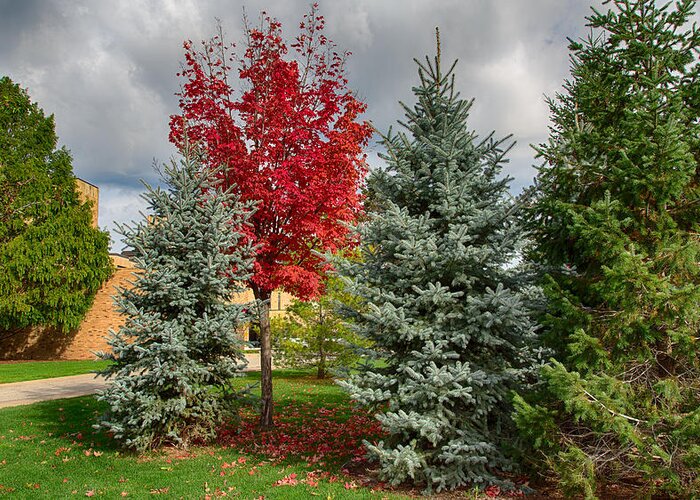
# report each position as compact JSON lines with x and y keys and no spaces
{"x":613,"y":412}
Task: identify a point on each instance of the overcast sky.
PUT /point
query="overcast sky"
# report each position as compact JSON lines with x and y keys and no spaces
{"x":107,"y":69}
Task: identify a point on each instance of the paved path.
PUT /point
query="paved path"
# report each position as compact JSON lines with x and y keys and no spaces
{"x":33,"y":391}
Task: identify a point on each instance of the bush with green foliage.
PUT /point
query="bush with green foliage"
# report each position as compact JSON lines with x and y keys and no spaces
{"x":616,"y":226}
{"x":314,"y":334}
{"x":174,"y":358}
{"x":53,"y":261}
{"x":449,"y":317}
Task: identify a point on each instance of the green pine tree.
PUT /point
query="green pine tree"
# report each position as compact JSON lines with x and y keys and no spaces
{"x":315,"y":334}
{"x":174,"y":358}
{"x":442,"y":303}
{"x":53,"y":261}
{"x":615,"y":223}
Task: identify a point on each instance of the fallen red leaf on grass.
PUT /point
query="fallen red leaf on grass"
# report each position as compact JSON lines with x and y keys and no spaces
{"x":314,"y":435}
{"x":290,"y":480}
{"x":492,"y":491}
{"x":158,"y":491}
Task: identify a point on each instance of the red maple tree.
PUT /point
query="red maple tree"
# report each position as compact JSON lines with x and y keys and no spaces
{"x":289,"y":138}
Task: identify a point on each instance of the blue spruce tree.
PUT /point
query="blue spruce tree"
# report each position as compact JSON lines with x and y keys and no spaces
{"x":445,"y":307}
{"x":178,"y":350}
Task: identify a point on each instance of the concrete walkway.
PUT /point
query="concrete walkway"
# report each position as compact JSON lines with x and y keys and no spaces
{"x":33,"y":391}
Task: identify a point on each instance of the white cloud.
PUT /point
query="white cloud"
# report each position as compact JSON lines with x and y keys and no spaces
{"x":119,"y":205}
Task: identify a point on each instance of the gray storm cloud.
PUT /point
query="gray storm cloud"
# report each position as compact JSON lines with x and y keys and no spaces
{"x":107,"y":69}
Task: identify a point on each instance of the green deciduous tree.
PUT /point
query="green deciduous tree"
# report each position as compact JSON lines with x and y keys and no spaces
{"x":174,"y":357}
{"x":314,"y":334}
{"x":53,"y":261}
{"x":447,"y":314}
{"x":615,"y":223}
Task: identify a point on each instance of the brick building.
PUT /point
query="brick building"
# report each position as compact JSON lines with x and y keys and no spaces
{"x":89,"y":192}
{"x":40,"y":343}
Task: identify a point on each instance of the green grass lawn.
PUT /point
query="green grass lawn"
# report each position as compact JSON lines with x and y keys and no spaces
{"x":49,"y":450}
{"x":35,"y":370}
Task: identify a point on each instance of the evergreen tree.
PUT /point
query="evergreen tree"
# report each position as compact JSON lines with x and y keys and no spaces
{"x":616,"y":225}
{"x":174,"y":357}
{"x":53,"y":261}
{"x":314,"y":333}
{"x":448,"y":315}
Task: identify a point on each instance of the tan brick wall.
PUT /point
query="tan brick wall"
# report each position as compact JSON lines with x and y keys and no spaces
{"x":91,"y":336}
{"x":89,"y":192}
{"x":33,"y":343}
{"x":38,"y":343}
{"x":278,"y":305}
{"x":42,"y":343}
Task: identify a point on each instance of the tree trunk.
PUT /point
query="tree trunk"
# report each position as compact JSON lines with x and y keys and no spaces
{"x":321,"y":373}
{"x":265,"y":358}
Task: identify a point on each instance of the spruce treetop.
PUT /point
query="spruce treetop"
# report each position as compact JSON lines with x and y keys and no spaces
{"x":627,"y":121}
{"x":448,"y":318}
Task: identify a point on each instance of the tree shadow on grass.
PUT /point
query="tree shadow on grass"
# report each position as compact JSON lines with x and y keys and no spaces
{"x":68,"y":420}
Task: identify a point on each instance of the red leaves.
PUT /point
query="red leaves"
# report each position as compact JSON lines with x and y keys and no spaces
{"x":290,"y":141}
{"x":290,"y":480}
{"x":316,"y":435}
{"x":492,"y":491}
{"x":60,"y":450}
{"x":311,"y":479}
{"x":160,"y":491}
